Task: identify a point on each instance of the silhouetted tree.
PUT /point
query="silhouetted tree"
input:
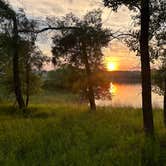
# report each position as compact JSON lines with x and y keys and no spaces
{"x":81,"y":47}
{"x":20,"y":46}
{"x":6,"y":12}
{"x":145,"y":68}
{"x":20,"y":27}
{"x":159,"y":77}
{"x":157,"y":30}
{"x":73,"y":79}
{"x":30,"y":62}
{"x":143,"y":7}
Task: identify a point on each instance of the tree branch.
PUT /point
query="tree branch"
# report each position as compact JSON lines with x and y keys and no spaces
{"x":120,"y":35}
{"x":46,"y":29}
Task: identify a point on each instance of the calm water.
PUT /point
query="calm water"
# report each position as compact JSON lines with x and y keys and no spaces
{"x":128,"y":95}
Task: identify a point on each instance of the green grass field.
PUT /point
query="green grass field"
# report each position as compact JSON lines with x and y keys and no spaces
{"x":59,"y":132}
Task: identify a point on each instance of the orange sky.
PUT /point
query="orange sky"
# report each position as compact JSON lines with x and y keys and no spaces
{"x":116,"y":52}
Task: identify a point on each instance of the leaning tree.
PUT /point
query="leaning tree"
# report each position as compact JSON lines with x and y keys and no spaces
{"x":11,"y":24}
{"x":19,"y":27}
{"x":81,"y":47}
{"x":7,"y":14}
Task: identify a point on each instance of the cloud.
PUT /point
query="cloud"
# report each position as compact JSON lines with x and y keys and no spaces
{"x":41,"y":8}
{"x":120,"y":20}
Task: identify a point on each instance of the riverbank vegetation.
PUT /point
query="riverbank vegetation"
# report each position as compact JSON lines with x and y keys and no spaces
{"x":68,"y":134}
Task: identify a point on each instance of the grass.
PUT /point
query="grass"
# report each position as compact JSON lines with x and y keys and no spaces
{"x":66,"y":134}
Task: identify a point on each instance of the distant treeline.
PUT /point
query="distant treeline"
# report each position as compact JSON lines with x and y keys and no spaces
{"x":127,"y":77}
{"x":123,"y":76}
{"x":133,"y":77}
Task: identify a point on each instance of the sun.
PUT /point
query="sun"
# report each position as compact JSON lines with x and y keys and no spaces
{"x":110,"y":63}
{"x":111,"y":66}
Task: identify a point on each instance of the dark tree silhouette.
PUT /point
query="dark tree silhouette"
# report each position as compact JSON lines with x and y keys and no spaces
{"x":31,"y":63}
{"x":7,"y":13}
{"x":21,"y":26}
{"x":143,"y":7}
{"x":159,"y":77}
{"x":82,"y":47}
{"x":165,"y":101}
{"x":22,"y":46}
{"x":145,"y":68}
{"x":156,"y":38}
{"x":16,"y":71}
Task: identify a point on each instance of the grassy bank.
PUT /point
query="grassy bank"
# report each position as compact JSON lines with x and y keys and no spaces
{"x":67,"y":134}
{"x":62,"y":132}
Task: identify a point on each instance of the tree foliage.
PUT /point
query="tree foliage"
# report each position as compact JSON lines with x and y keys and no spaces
{"x":157,"y":30}
{"x":19,"y":53}
{"x":144,"y":7}
{"x":81,"y":47}
{"x":69,"y":44}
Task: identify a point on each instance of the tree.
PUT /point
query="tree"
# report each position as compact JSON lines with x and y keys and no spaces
{"x":30,"y":62}
{"x":20,"y":47}
{"x":156,"y":38}
{"x":145,"y":68}
{"x":11,"y":23}
{"x":6,"y":12}
{"x":72,"y":79}
{"x":159,"y":78}
{"x":143,"y":7}
{"x":81,"y":47}
{"x":157,"y":31}
{"x":158,"y":27}
{"x":20,"y":26}
{"x":164,"y":105}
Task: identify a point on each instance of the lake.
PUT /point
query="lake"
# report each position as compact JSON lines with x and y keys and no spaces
{"x":128,"y":95}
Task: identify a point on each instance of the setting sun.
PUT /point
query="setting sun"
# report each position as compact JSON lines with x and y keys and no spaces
{"x":111,"y":66}
{"x":110,"y":63}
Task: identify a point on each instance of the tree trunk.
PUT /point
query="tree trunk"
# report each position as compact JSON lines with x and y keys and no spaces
{"x":91,"y":95}
{"x":165,"y":102}
{"x":16,"y":72}
{"x":91,"y":98}
{"x":27,"y":83}
{"x":145,"y":69}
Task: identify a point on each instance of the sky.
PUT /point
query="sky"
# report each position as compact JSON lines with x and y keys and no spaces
{"x":116,"y":52}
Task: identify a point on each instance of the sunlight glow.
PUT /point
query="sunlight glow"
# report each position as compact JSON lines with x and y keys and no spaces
{"x":112,"y":89}
{"x":111,"y":66}
{"x":110,"y":63}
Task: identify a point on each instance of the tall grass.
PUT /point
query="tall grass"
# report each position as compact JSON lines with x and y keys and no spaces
{"x":67,"y":134}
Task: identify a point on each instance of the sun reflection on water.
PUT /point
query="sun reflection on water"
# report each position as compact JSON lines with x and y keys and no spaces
{"x":112,"y":89}
{"x":127,"y":95}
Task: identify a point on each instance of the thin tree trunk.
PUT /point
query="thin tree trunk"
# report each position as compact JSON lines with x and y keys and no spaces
{"x":27,"y":83}
{"x":16,"y":72}
{"x":145,"y":69}
{"x":91,"y":95}
{"x":165,"y":102}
